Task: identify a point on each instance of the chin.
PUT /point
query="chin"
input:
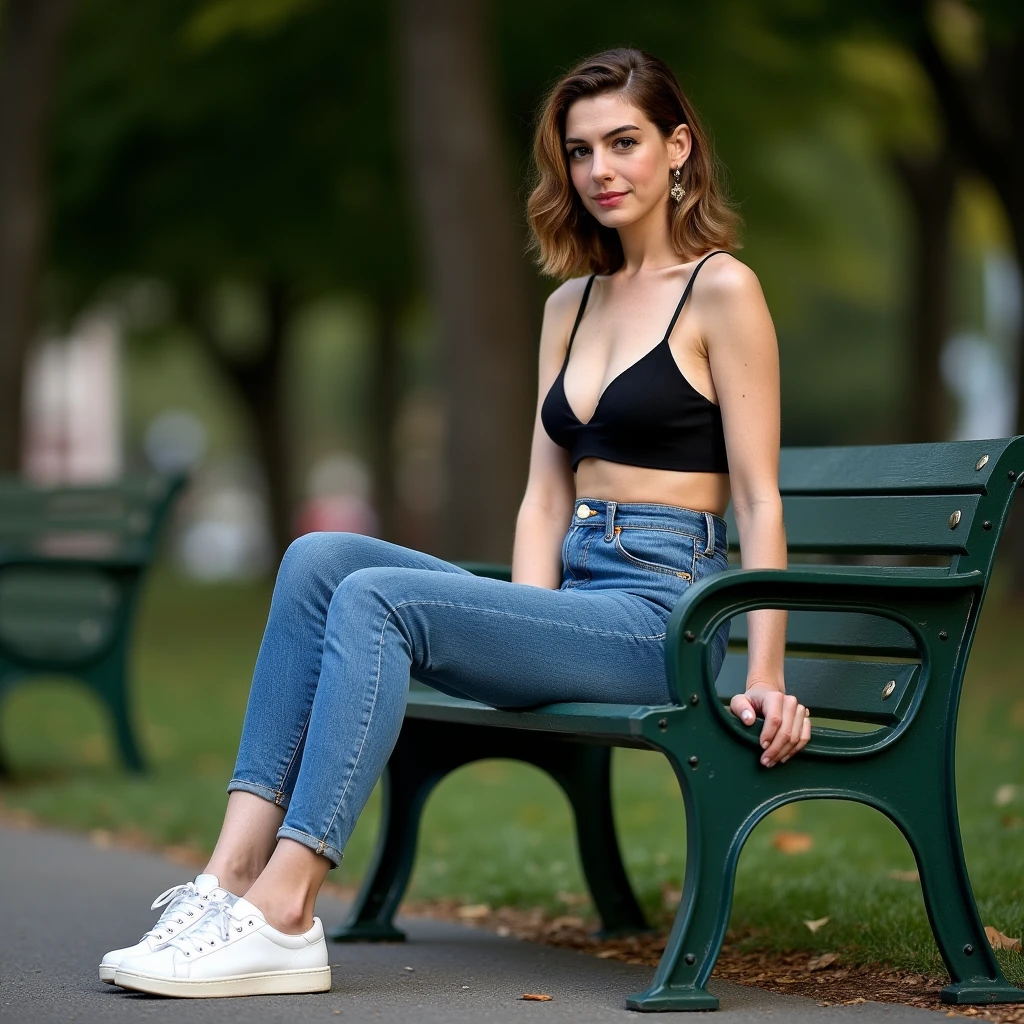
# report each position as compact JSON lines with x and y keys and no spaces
{"x":615,"y":218}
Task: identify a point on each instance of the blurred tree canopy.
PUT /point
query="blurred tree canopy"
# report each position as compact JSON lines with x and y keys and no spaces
{"x":289,"y":146}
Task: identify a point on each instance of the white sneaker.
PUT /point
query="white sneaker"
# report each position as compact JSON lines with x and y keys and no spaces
{"x":232,"y":951}
{"x":186,"y":904}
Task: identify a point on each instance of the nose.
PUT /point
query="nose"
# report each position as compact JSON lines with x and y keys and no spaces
{"x":598,"y":171}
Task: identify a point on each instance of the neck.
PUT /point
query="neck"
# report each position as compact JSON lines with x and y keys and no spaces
{"x":647,"y":244}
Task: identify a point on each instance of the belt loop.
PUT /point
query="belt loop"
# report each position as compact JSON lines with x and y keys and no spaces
{"x":710,"y":547}
{"x":609,"y":520}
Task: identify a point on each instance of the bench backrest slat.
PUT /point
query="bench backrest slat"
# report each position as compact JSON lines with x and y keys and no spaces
{"x":863,"y":691}
{"x":853,"y":524}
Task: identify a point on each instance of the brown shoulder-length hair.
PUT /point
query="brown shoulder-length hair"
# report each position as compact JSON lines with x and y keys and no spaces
{"x":567,"y":240}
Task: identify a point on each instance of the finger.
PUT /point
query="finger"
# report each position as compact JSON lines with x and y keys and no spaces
{"x":799,"y":717}
{"x":781,"y":739}
{"x":805,"y":733}
{"x":741,"y":707}
{"x":771,"y":709}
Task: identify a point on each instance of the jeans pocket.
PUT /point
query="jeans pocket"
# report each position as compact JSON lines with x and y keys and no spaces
{"x":664,"y":551}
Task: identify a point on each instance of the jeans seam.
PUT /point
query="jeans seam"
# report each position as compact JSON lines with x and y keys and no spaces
{"x":366,"y":724}
{"x":295,"y":749}
{"x":529,"y":618}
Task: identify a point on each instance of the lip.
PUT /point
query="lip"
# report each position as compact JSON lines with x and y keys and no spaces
{"x":609,"y":198}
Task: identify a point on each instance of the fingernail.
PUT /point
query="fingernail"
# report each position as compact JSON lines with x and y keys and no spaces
{"x":764,"y":744}
{"x":748,"y":717}
{"x":785,"y":759}
{"x":766,"y":760}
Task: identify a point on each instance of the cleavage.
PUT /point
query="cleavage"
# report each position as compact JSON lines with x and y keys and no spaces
{"x":604,"y":390}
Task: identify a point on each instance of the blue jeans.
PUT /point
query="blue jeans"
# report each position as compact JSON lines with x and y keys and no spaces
{"x":353,"y":616}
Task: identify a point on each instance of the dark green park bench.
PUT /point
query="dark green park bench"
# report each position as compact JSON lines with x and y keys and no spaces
{"x":71,"y":563}
{"x":883,"y":644}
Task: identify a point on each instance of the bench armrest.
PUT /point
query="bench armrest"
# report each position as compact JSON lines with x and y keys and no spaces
{"x":935,"y":609}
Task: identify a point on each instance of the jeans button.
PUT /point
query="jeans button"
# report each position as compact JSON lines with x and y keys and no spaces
{"x":584,"y":511}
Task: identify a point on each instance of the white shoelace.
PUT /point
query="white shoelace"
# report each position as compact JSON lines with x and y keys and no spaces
{"x":217,"y":927}
{"x":179,"y":900}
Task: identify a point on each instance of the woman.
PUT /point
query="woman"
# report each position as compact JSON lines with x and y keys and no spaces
{"x":635,"y":448}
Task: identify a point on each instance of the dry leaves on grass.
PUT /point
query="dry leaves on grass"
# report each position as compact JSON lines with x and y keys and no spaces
{"x":905,"y":876}
{"x":792,"y":842}
{"x":819,"y":963}
{"x":474,"y":911}
{"x":997,"y":940}
{"x":813,"y":926}
{"x":536,"y":997}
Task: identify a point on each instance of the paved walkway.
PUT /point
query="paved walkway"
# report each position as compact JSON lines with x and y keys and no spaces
{"x":63,"y":903}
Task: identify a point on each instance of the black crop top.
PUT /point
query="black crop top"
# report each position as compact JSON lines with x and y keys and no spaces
{"x":649,"y":415}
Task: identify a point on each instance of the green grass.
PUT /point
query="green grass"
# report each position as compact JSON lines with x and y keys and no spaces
{"x":500,"y":832}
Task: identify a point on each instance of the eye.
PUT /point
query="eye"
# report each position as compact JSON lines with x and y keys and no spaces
{"x":578,"y":152}
{"x":630,"y":143}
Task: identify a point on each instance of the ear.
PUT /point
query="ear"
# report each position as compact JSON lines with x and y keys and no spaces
{"x":679,"y":143}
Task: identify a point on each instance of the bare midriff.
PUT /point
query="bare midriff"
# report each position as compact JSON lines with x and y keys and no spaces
{"x":612,"y":481}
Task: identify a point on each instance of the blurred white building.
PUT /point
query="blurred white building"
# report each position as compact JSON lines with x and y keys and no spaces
{"x":73,"y":429}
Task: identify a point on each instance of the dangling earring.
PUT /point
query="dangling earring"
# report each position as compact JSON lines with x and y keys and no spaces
{"x":677,"y":191}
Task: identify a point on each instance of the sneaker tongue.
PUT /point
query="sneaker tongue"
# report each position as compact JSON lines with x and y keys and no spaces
{"x":205,"y":884}
{"x":243,"y":908}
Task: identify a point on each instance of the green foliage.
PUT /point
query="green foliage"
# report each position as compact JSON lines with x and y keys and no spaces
{"x":196,"y":141}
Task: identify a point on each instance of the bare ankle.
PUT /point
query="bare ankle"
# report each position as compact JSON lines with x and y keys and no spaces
{"x":237,"y":878}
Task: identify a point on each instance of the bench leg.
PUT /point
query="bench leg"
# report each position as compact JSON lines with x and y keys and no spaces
{"x":714,"y":837}
{"x":109,"y":680}
{"x":407,"y":782}
{"x":932,"y":828}
{"x":585,"y":776}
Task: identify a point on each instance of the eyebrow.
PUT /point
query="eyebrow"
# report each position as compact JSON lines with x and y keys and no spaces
{"x":608,"y":135}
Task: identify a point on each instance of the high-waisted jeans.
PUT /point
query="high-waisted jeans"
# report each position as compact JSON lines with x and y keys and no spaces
{"x":353,"y":616}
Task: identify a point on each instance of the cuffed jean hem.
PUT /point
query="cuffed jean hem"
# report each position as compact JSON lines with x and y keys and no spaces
{"x":316,"y":845}
{"x":273,"y":795}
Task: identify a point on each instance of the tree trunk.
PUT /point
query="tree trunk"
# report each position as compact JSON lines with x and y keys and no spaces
{"x":386,"y":387}
{"x":259,"y":382}
{"x":32,"y":32}
{"x":473,"y":255}
{"x":930,"y":186}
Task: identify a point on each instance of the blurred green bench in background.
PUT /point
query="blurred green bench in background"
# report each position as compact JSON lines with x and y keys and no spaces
{"x":891,"y":553}
{"x":72,"y":559}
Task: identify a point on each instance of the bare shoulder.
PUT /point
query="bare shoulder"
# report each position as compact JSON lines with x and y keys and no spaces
{"x":560,"y":310}
{"x":726,"y":279}
{"x":566,"y":297}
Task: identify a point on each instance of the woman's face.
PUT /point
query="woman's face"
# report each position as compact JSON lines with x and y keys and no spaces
{"x":620,"y":164}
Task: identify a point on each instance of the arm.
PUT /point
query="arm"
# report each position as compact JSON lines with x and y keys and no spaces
{"x":744,"y":358}
{"x":550,"y":486}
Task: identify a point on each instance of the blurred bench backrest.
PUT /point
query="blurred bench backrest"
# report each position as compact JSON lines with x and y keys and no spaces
{"x":70,"y":558}
{"x":119,"y":521}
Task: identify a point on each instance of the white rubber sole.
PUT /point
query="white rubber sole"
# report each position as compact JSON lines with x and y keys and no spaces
{"x":107,"y":972}
{"x":315,"y":979}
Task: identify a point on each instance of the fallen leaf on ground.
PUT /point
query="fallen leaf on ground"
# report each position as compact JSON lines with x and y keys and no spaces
{"x":997,"y":940}
{"x":670,"y":896}
{"x":792,"y":842}
{"x":906,"y":876}
{"x":536,"y":997}
{"x":1005,"y":794}
{"x":474,"y":911}
{"x":817,"y":963}
{"x":820,"y":922}
{"x":850,"y":1002}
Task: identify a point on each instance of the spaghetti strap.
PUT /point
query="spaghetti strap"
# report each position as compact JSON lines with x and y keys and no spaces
{"x":579,"y":315}
{"x":686,"y":291}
